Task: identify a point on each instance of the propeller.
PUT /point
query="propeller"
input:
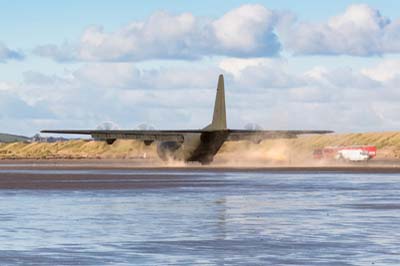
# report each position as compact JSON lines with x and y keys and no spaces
{"x":252,"y":126}
{"x":107,"y":125}
{"x":145,"y":126}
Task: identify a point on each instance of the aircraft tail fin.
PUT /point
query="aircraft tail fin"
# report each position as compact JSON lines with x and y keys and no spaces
{"x":219,"y":116}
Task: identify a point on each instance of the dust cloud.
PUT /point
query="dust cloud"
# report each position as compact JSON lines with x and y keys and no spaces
{"x":274,"y":153}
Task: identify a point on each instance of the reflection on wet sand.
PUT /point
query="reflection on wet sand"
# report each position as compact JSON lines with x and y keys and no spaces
{"x":197,"y":217}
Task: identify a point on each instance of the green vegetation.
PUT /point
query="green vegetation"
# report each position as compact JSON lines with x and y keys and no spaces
{"x":7,"y":138}
{"x":75,"y":149}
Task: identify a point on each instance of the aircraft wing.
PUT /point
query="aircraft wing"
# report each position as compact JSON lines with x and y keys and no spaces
{"x":179,"y":135}
{"x":144,"y":135}
{"x":259,"y":135}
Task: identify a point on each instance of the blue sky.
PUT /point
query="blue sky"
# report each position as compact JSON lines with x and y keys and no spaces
{"x":288,"y":64}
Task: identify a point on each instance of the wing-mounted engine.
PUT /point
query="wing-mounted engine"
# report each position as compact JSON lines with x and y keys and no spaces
{"x":254,"y":126}
{"x":148,"y":142}
{"x":110,"y":141}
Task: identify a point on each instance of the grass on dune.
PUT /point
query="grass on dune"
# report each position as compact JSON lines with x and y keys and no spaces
{"x":75,"y":149}
{"x":388,"y":144}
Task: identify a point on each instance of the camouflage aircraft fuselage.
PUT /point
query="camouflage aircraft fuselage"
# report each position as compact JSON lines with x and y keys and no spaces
{"x":200,"y":147}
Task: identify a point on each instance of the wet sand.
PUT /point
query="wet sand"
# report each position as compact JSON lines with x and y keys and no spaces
{"x":123,"y":174}
{"x":375,"y":166}
{"x":94,"y":181}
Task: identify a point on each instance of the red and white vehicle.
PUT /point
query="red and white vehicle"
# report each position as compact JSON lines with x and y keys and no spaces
{"x":346,"y":153}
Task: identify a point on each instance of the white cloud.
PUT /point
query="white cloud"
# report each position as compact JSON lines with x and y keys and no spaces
{"x":360,"y":31}
{"x":261,"y":88}
{"x":16,"y":115}
{"x":344,"y":78}
{"x":235,"y":66}
{"x":260,"y":73}
{"x":128,"y":76}
{"x":265,"y":92}
{"x":246,"y":31}
{"x":249,"y":31}
{"x":385,"y":71}
{"x":4,"y":86}
{"x":116,"y":75}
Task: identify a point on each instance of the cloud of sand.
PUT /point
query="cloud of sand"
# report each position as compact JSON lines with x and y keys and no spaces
{"x":276,"y":152}
{"x":174,"y":163}
{"x":250,"y":154}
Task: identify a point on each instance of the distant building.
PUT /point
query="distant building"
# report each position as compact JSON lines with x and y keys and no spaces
{"x":38,"y":138}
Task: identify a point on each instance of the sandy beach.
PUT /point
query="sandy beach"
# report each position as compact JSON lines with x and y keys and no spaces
{"x":86,"y":212}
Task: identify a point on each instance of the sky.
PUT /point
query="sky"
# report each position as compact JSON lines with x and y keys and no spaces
{"x":331,"y":65}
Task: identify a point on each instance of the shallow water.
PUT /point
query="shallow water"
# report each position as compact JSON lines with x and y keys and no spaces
{"x":239,"y":218}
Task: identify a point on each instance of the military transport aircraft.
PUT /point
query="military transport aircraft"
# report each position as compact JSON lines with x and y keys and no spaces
{"x":193,"y":145}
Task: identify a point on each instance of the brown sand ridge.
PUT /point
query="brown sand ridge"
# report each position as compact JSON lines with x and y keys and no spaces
{"x":300,"y":150}
{"x":278,"y":150}
{"x":76,"y":149}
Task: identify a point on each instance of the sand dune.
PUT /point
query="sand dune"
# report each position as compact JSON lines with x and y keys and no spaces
{"x":388,"y":144}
